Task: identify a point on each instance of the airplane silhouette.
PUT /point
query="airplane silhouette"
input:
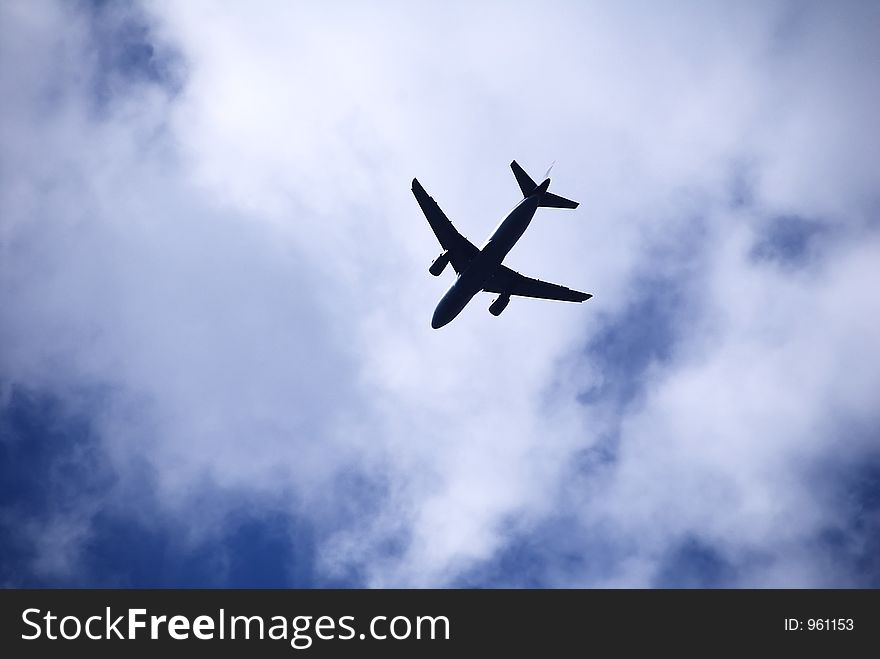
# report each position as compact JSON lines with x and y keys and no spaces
{"x":480,"y":269}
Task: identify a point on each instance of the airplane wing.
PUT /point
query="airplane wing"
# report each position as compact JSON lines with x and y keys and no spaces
{"x":510,"y":282}
{"x":461,"y":250}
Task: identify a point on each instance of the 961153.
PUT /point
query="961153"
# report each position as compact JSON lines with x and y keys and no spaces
{"x":819,"y":624}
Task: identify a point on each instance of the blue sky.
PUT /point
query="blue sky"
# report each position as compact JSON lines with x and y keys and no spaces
{"x":216,"y":360}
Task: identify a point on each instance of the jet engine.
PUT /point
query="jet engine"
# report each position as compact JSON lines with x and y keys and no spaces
{"x":499,"y":304}
{"x":438,"y":265}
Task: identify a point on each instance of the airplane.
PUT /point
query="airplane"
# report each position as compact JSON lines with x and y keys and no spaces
{"x":480,"y":268}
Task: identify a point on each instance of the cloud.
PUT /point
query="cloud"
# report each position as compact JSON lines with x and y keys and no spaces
{"x":209,"y":223}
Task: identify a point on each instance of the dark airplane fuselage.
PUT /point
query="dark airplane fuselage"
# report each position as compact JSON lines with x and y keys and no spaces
{"x":486,"y":262}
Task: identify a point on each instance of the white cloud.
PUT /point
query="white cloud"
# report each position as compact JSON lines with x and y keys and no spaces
{"x":244,"y":264}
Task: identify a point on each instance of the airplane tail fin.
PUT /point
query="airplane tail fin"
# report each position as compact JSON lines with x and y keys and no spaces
{"x":528,"y":186}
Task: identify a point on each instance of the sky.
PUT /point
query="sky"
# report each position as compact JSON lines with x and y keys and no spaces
{"x":216,"y":361}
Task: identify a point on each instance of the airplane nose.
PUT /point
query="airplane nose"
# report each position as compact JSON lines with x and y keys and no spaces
{"x":442,"y":315}
{"x":451,"y":305}
{"x":438,"y":320}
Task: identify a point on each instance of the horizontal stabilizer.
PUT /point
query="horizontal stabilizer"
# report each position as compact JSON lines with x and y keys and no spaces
{"x":550,"y":200}
{"x":526,"y":184}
